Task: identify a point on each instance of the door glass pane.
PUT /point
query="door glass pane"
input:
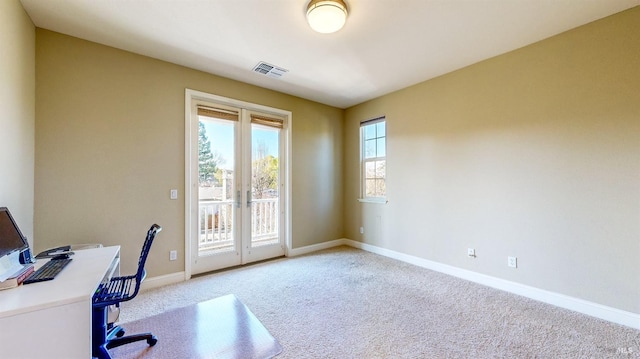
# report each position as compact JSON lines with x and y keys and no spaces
{"x":265,"y":185}
{"x":216,"y":179}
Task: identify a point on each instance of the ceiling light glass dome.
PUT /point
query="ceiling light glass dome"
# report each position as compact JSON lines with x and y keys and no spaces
{"x":327,"y":16}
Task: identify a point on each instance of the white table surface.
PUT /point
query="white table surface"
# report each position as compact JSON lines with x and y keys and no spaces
{"x":76,"y":282}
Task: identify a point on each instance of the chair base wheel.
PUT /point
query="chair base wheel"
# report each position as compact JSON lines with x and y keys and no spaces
{"x":152,"y":341}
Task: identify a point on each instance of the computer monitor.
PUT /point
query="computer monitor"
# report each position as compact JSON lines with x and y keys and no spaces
{"x":11,"y":239}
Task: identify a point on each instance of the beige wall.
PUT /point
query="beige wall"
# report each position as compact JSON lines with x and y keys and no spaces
{"x":17,"y":113}
{"x":534,"y":154}
{"x":110,"y":146}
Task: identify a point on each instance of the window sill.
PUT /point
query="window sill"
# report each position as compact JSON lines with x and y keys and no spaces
{"x":373,"y":200}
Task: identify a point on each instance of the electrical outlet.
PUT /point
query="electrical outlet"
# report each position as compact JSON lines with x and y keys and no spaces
{"x":173,"y":255}
{"x":173,"y":194}
{"x":512,"y":262}
{"x":471,"y":252}
{"x":361,"y":230}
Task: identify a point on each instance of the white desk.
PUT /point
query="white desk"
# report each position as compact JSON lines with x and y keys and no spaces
{"x":53,"y":319}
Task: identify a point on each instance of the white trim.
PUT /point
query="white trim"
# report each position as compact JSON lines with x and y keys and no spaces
{"x":288,"y":155}
{"x":316,"y":247}
{"x":188,"y":94}
{"x":560,"y":300}
{"x":159,"y":281}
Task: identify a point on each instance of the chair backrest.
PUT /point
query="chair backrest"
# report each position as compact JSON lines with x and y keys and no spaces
{"x":151,"y":235}
{"x":118,"y":289}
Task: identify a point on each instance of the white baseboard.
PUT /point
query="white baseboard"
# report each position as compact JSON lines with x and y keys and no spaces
{"x":315,"y":247}
{"x":159,"y":281}
{"x":560,"y":300}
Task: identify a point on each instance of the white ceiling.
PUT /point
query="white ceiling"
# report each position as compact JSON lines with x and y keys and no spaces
{"x":386,"y":45}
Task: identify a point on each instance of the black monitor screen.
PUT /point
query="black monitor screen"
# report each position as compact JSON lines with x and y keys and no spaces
{"x":11,"y":239}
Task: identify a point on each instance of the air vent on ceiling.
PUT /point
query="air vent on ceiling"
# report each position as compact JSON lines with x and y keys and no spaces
{"x":269,"y":70}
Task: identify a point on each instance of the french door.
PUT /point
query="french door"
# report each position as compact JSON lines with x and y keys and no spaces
{"x":238,"y":197}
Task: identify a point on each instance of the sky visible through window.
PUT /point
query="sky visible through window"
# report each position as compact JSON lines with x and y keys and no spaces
{"x":220,"y":134}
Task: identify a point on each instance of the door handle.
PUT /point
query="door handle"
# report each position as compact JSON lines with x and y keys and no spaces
{"x":238,"y":205}
{"x":248,"y":198}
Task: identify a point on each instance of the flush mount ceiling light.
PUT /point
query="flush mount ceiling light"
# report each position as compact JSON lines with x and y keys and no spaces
{"x":327,"y":16}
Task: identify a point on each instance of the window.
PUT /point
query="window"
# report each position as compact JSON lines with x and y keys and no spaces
{"x":373,"y":160}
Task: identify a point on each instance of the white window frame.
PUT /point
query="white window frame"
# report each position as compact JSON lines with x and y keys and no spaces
{"x":363,"y":161}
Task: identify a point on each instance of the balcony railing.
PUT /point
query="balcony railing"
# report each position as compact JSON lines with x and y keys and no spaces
{"x":216,"y":223}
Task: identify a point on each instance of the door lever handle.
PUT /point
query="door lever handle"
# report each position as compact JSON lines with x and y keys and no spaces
{"x":238,"y":205}
{"x":248,"y":198}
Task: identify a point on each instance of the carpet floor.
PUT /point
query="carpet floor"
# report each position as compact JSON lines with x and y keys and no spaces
{"x":348,"y":303}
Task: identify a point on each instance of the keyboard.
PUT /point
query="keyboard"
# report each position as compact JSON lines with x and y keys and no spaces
{"x":48,"y":271}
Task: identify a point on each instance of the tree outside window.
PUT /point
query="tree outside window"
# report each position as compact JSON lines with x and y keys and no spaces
{"x":374,"y":161}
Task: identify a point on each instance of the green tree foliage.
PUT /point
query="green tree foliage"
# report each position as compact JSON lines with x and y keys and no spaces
{"x":264,"y":172}
{"x":206,"y":160}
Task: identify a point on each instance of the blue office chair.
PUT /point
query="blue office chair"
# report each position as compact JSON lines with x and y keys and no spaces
{"x":117,"y":290}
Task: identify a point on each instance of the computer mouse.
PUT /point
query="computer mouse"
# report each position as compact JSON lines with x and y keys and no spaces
{"x":60,"y":256}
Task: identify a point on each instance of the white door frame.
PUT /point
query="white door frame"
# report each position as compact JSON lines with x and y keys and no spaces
{"x":190,"y":181}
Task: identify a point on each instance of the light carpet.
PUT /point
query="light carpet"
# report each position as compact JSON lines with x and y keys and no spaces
{"x":348,"y":303}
